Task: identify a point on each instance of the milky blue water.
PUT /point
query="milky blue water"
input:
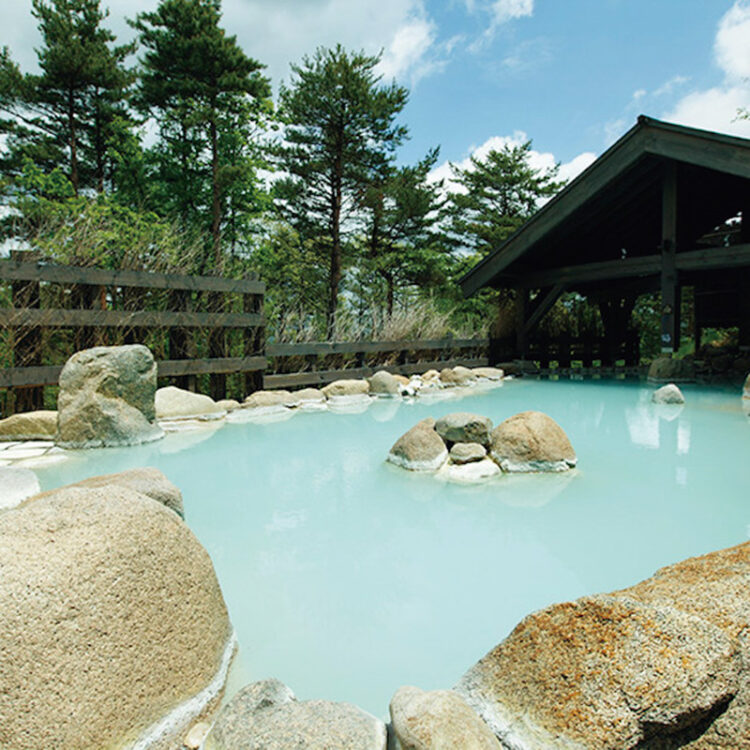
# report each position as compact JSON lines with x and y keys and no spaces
{"x":346,"y":577}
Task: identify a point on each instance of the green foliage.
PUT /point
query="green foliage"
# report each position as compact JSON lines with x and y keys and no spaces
{"x":496,"y":195}
{"x":339,"y":139}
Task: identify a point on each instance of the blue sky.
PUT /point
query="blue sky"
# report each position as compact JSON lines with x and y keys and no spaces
{"x":572,"y":75}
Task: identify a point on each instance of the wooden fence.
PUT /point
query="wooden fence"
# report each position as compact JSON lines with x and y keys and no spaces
{"x":197,"y":325}
{"x":318,"y":363}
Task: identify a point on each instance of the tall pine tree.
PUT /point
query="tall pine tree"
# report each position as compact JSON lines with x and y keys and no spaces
{"x":200,"y":86}
{"x":340,"y":137}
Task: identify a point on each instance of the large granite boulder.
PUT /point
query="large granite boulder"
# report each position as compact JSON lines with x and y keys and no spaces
{"x":16,"y":485}
{"x":145,"y":480}
{"x":531,"y":441}
{"x":419,"y":449}
{"x":382,"y":383}
{"x":106,"y":398}
{"x":438,"y":719}
{"x":177,"y":403}
{"x":346,"y":388}
{"x":662,"y":664}
{"x":671,"y":370}
{"x":267,"y":716}
{"x":463,"y":427}
{"x":113,"y":629}
{"x":603,"y":672}
{"x":668,"y":394}
{"x":30,"y":425}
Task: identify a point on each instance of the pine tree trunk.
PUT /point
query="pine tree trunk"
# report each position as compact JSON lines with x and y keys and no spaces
{"x":216,"y":195}
{"x":73,"y":144}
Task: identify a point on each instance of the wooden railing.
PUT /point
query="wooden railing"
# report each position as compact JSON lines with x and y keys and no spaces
{"x":198,"y":325}
{"x":318,"y":363}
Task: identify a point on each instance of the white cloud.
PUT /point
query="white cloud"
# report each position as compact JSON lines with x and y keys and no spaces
{"x":716,"y":108}
{"x":279,"y":33}
{"x":541,"y":160}
{"x":669,"y":86}
{"x":508,"y":10}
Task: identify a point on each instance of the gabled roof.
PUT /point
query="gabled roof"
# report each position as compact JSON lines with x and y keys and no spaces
{"x":615,"y":204}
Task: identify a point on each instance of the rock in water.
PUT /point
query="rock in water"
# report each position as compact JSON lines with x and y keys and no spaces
{"x":307,"y":725}
{"x":419,"y":449}
{"x":489,"y":373}
{"x":341,"y":388}
{"x":111,"y":618}
{"x":382,"y":383}
{"x":107,"y":398}
{"x":602,"y":672}
{"x":670,"y":370}
{"x":662,"y":664}
{"x":531,"y":441}
{"x":16,"y":485}
{"x":668,"y":394}
{"x":31,"y":425}
{"x":466,"y":453}
{"x":463,"y":427}
{"x":177,"y":403}
{"x":457,"y":376}
{"x":145,"y":480}
{"x":438,"y":719}
{"x":267,"y":400}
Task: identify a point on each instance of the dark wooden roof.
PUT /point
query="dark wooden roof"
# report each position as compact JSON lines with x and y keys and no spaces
{"x":615,"y":206}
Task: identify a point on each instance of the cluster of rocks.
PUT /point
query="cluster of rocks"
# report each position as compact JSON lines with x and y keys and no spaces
{"x":662,"y":664}
{"x":464,"y":447}
{"x":113,"y":627}
{"x":108,"y":397}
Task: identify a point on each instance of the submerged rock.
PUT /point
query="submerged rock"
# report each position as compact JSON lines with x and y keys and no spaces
{"x":305,"y":398}
{"x":464,"y":427}
{"x":382,"y":383}
{"x":30,"y":425}
{"x":465,"y":453}
{"x":438,"y":719}
{"x":531,"y":441}
{"x":176,"y":403}
{"x":346,"y":388}
{"x":603,"y":672}
{"x":145,"y":480}
{"x":107,"y":398}
{"x":266,"y":716}
{"x":668,"y":394}
{"x":671,"y":370}
{"x":469,"y":473}
{"x":111,"y":619}
{"x":16,"y":485}
{"x":419,"y":449}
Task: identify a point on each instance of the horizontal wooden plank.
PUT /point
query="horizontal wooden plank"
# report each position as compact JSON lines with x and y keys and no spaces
{"x":322,"y":377}
{"x":50,"y":375}
{"x":27,"y":318}
{"x":13,"y":270}
{"x":365,"y":347}
{"x":734,"y":256}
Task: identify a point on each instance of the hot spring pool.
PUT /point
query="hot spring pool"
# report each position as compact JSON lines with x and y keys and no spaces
{"x":346,"y":577}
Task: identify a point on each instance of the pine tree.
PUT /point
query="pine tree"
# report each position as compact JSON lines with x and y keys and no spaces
{"x":340,"y":137}
{"x":199,"y":84}
{"x":499,"y":193}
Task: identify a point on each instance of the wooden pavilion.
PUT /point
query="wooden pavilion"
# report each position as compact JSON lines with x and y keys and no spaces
{"x":665,"y":207}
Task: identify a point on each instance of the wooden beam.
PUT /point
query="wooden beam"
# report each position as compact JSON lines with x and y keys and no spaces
{"x":670,"y":336}
{"x":14,"y":270}
{"x":712,"y":258}
{"x":543,"y":306}
{"x":28,"y":317}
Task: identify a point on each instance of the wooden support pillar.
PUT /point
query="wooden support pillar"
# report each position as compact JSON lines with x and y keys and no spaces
{"x":522,"y":304}
{"x":670,"y":334}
